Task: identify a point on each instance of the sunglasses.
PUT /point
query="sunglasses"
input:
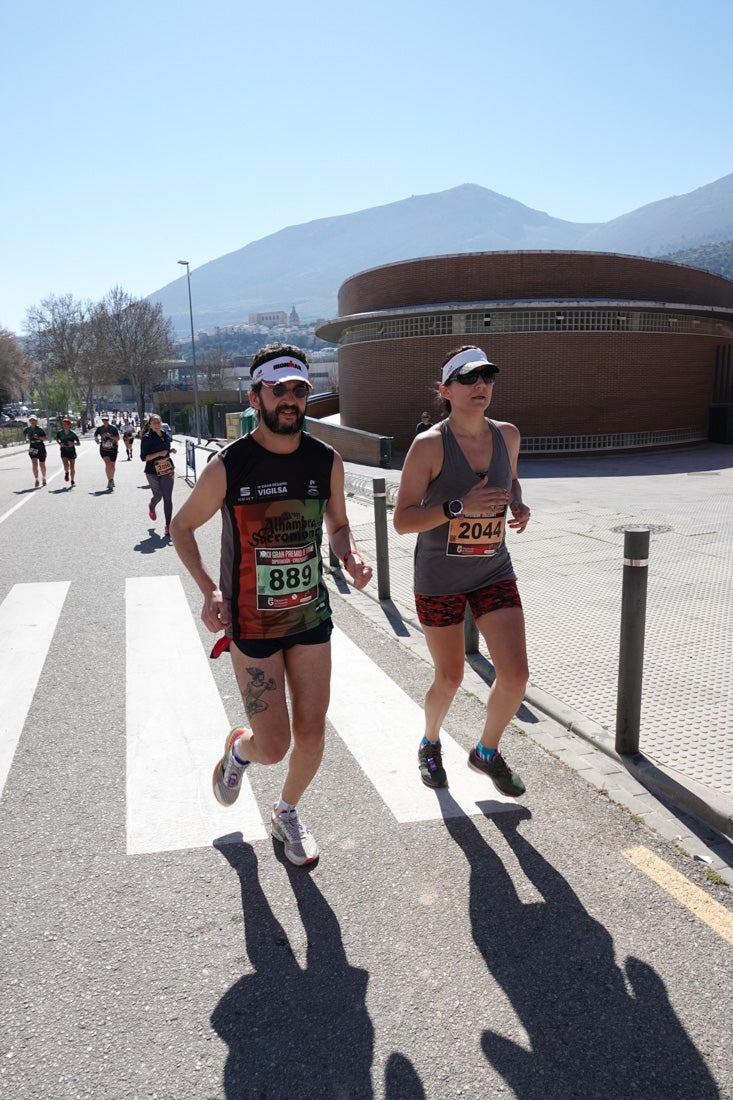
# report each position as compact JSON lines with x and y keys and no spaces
{"x":300,"y":389}
{"x":471,"y":378}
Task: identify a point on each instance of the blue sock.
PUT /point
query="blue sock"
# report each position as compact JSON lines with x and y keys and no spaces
{"x":426,"y":742}
{"x":484,"y":753}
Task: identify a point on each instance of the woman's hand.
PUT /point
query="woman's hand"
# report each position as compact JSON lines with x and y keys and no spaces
{"x":521,"y":515}
{"x":485,"y":499}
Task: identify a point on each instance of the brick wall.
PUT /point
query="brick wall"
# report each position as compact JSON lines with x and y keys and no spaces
{"x":549,"y":383}
{"x":490,"y":276}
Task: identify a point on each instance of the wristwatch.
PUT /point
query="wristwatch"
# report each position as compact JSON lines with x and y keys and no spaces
{"x":453,"y":509}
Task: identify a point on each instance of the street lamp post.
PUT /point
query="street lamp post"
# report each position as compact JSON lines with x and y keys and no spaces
{"x":193,"y":355}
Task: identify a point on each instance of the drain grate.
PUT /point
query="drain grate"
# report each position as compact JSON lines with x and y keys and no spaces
{"x":653,"y":528}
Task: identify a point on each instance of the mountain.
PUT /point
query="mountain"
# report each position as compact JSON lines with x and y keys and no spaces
{"x":305,"y":264}
{"x":704,"y":216}
{"x":717,"y":258}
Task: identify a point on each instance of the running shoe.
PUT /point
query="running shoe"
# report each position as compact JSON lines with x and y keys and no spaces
{"x":36,"y":483}
{"x":44,"y":481}
{"x":167,"y":530}
{"x":227,"y":778}
{"x":151,"y":512}
{"x":501,"y":775}
{"x":430,"y":762}
{"x":110,"y":485}
{"x":66,"y":476}
{"x":73,"y":484}
{"x":300,"y":847}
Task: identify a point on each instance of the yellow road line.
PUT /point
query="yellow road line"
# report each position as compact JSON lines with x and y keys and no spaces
{"x":715,"y":915}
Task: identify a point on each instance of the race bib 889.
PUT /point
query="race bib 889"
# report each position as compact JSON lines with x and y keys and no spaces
{"x":286,"y":576}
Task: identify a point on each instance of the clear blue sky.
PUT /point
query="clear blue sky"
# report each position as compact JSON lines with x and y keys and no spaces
{"x":136,"y":135}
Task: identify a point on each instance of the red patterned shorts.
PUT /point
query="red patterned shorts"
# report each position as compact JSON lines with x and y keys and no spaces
{"x":449,"y":610}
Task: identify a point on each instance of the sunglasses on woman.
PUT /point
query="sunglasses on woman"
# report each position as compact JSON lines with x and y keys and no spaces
{"x":299,"y":390}
{"x":471,"y":377}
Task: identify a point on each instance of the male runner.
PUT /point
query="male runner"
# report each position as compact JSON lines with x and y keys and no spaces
{"x":275,"y":487}
{"x":108,"y":437}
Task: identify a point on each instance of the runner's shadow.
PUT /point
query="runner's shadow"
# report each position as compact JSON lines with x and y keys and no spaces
{"x":153,"y":543}
{"x":23,"y":492}
{"x":401,"y":1082}
{"x":293,"y":1029}
{"x":587,"y":1035}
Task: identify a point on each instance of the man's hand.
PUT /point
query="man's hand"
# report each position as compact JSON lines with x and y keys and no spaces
{"x":215,"y":614}
{"x":359,"y":571}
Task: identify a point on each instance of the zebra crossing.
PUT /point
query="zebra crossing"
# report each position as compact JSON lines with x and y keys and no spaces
{"x":168,"y":800}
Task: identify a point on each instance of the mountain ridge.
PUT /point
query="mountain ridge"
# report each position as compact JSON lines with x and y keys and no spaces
{"x":304,"y":264}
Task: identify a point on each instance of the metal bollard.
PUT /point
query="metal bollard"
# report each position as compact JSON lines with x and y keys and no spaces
{"x":380,"y":530}
{"x":631,"y":647}
{"x":470,"y":632}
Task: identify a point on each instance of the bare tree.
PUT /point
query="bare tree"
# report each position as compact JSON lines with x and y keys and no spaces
{"x":212,"y":364}
{"x":134,"y":340}
{"x":15,"y":367}
{"x":60,"y":341}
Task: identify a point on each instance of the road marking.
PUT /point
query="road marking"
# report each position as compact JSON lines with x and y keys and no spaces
{"x":715,"y":915}
{"x":176,"y":727}
{"x":29,"y":615}
{"x":32,"y":495}
{"x":382,"y":727}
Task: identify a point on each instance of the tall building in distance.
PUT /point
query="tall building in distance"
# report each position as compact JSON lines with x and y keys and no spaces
{"x":293,"y":319}
{"x":273,"y":318}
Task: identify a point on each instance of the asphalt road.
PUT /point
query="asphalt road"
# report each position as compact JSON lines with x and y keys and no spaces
{"x":521,"y":952}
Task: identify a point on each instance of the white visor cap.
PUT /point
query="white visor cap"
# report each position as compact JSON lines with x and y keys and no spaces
{"x":464,"y":361}
{"x":286,"y":368}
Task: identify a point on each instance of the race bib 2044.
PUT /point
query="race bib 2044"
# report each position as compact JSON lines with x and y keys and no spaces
{"x":472,"y":535}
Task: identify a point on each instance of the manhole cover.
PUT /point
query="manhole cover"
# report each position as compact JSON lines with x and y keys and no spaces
{"x":652,"y":528}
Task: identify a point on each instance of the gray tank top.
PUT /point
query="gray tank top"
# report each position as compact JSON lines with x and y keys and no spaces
{"x":470,"y":552}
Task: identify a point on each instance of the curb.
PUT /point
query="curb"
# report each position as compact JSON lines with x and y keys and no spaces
{"x":705,"y":805}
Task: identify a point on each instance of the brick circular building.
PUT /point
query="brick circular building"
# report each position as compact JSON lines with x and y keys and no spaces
{"x":597,"y":351}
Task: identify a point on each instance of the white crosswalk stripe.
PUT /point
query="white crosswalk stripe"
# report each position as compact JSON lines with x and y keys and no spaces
{"x":171,"y":754}
{"x":28,"y":618}
{"x":382,"y":727}
{"x":171,"y":751}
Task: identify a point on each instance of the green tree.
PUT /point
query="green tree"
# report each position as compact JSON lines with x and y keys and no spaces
{"x":132,"y":340}
{"x":62,"y":393}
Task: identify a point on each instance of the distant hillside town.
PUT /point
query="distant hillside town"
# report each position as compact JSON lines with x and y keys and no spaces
{"x":223,"y":354}
{"x":239,"y":341}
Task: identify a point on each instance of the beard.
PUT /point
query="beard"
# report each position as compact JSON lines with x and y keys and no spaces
{"x":271,"y":420}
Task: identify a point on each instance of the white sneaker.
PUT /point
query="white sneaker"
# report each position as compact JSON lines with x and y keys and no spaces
{"x":300,"y":847}
{"x":226,"y":781}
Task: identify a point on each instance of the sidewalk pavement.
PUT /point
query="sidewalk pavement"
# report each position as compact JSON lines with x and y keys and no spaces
{"x":569,"y":564}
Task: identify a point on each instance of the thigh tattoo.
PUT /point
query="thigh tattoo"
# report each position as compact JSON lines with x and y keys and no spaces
{"x":254,"y":691}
